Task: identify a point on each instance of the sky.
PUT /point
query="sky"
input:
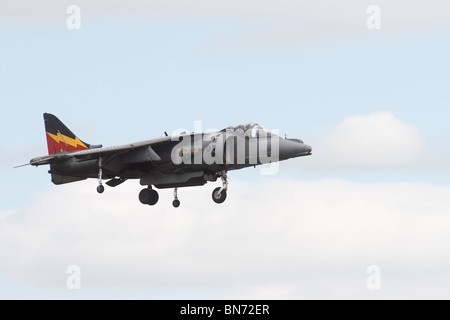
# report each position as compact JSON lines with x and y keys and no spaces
{"x":372,"y":103}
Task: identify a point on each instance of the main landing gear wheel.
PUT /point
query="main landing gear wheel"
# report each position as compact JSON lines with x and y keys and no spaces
{"x":154,"y":199}
{"x":148,"y":196}
{"x":219,"y":196}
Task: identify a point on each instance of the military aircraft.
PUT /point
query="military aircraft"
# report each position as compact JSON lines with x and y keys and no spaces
{"x":180,"y":160}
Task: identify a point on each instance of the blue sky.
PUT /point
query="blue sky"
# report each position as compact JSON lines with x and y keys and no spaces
{"x":114,"y":80}
{"x":132,"y":73}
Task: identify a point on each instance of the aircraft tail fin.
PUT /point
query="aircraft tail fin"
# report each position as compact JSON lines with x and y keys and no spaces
{"x":60,"y":138}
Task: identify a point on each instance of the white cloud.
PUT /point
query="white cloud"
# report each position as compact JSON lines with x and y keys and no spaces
{"x":375,"y":141}
{"x":283,"y":239}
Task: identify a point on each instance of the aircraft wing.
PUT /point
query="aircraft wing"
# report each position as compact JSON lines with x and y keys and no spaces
{"x":96,"y":153}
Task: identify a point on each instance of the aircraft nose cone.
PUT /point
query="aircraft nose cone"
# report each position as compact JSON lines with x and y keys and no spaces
{"x":292,"y":148}
{"x":303,"y":149}
{"x":308,"y":148}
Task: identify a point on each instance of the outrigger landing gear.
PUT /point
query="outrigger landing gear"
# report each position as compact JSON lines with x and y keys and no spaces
{"x":148,"y":196}
{"x":176,"y":202}
{"x":220,"y":193}
{"x":100,"y":187}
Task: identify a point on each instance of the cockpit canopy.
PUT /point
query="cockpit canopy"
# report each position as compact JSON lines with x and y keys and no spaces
{"x":250,"y":129}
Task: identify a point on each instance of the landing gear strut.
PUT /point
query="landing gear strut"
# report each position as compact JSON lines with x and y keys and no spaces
{"x":100,"y":187}
{"x":220,"y":193}
{"x":148,"y":196}
{"x":176,"y":202}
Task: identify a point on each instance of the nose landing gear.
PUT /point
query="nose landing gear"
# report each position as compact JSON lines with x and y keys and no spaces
{"x":219,"y":194}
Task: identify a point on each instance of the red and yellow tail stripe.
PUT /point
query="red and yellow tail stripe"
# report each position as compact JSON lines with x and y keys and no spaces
{"x":59,"y":143}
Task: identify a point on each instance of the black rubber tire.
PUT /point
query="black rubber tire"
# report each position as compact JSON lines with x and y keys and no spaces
{"x":145,"y":196}
{"x":176,"y":203}
{"x":154,"y":198}
{"x":219,"y":199}
{"x":100,"y":189}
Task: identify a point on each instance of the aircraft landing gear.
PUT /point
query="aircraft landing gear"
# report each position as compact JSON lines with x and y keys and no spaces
{"x":148,"y":196}
{"x":220,"y":193}
{"x":100,"y":187}
{"x":176,"y":202}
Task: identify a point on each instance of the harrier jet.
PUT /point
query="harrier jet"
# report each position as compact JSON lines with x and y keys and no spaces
{"x":180,"y":160}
